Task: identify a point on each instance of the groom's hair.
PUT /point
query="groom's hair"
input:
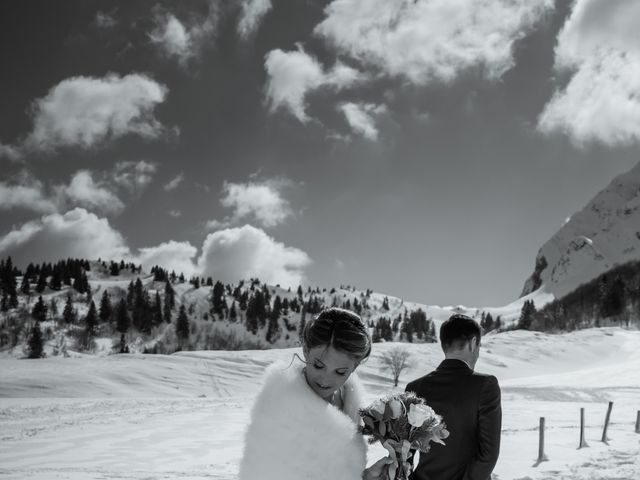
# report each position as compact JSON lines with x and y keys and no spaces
{"x":457,"y":330}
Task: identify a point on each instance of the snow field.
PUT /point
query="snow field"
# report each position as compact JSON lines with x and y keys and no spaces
{"x":148,"y":417}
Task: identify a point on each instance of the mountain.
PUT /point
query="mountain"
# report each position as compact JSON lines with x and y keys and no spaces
{"x":604,"y":234}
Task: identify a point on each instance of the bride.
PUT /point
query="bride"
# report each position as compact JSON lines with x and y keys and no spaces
{"x":304,"y":420}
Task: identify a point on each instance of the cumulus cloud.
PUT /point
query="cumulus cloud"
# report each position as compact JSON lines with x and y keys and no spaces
{"x":174,"y":182}
{"x":171,"y":255}
{"x":184,"y":41}
{"x":231,"y":254}
{"x":105,"y":20}
{"x":292,"y":75}
{"x":253,"y":11}
{"x":26,"y":192}
{"x":75,"y":234}
{"x":360,"y":118}
{"x":431,"y":41}
{"x":262,"y":201}
{"x":599,"y":45}
{"x":247,"y":251}
{"x":87,"y":111}
{"x":10,"y":151}
{"x":134,"y":176}
{"x":217,"y":224}
{"x":86,"y":192}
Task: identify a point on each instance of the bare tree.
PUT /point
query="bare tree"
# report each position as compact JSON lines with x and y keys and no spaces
{"x":396,"y":360}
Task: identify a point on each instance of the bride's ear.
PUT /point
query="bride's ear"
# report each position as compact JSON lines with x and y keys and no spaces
{"x":305,"y":352}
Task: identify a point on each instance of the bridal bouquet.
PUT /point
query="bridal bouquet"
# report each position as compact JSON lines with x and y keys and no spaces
{"x":404,"y":424}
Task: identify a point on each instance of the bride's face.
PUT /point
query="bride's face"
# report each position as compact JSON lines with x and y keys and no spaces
{"x":327,"y":369}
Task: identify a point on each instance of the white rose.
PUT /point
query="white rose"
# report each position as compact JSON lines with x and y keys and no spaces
{"x":418,"y":413}
{"x":396,"y":408}
{"x":378,"y":406}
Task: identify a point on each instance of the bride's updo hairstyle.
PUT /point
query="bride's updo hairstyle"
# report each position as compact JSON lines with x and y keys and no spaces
{"x":340,"y":329}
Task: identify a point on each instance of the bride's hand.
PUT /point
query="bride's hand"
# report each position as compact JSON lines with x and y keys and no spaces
{"x":377,"y":470}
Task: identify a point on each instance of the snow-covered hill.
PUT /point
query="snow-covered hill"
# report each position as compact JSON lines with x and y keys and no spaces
{"x":183,"y":416}
{"x":208,"y":330}
{"x":605,"y":233}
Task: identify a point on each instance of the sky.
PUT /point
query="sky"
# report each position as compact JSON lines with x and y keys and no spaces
{"x":425,"y":149}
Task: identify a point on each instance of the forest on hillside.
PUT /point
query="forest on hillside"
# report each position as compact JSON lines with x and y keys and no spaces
{"x":54,"y":302}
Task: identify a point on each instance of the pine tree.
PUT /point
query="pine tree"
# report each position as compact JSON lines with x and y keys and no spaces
{"x":385,"y":304}
{"x":526,"y":315}
{"x":90,"y":326}
{"x":486,"y":323}
{"x":302,"y":325}
{"x":146,"y":315}
{"x":56,"y":280}
{"x":39,"y":311}
{"x":106,"y":309}
{"x":217,"y":300}
{"x":42,"y":282}
{"x":169,"y":301}
{"x":130,"y":294}
{"x":233,"y":315}
{"x":25,"y":287}
{"x":69,"y":314}
{"x":53,"y":307}
{"x":122,"y":317}
{"x":182,"y":326}
{"x":35,"y":343}
{"x":157,"y":310}
{"x":114,"y":271}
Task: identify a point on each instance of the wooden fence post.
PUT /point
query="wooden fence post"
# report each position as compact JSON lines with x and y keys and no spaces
{"x":638,"y":422}
{"x":541,"y":456}
{"x":583,"y":442}
{"x":606,"y":424}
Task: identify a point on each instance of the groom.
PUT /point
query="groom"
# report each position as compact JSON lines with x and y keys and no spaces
{"x":468,"y":401}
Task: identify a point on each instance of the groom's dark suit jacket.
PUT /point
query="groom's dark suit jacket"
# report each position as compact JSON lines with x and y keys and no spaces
{"x":469,"y":402}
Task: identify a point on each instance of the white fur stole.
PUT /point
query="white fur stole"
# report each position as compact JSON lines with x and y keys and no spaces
{"x":296,"y":435}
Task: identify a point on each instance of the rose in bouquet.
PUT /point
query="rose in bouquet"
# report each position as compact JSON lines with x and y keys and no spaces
{"x":403,"y":424}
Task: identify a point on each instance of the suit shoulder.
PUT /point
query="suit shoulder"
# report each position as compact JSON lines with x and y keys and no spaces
{"x":413,"y":385}
{"x":485,"y":376}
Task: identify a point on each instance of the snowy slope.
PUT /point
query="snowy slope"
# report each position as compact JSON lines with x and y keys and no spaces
{"x":605,"y":233}
{"x":183,"y":416}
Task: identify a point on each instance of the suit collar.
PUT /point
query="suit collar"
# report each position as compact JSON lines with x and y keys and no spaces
{"x":454,"y":364}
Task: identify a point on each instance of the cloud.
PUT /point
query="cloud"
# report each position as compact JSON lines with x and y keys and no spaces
{"x":25,"y":192}
{"x":11,"y":152}
{"x":184,"y":41}
{"x":133,"y":176}
{"x":171,"y":255}
{"x":599,"y":45}
{"x":253,"y":11}
{"x":431,"y":41}
{"x":291,"y":75}
{"x":232,"y":254}
{"x":105,"y":20}
{"x":173,"y":183}
{"x":175,"y":213}
{"x":87,"y":111}
{"x":85,"y":191}
{"x":262,"y":201}
{"x":95,"y":191}
{"x":75,"y":234}
{"x":359,"y":116}
{"x":238,"y":253}
{"x":217,"y":224}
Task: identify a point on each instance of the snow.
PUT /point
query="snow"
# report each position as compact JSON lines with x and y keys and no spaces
{"x":603,"y":234}
{"x":183,"y":415}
